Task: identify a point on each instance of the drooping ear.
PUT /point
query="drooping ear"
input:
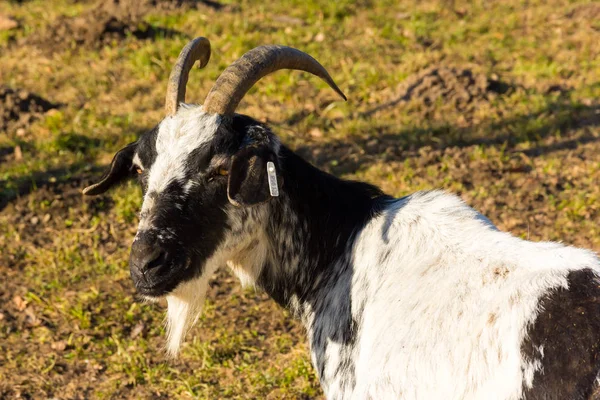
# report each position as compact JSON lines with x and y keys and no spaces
{"x":120,"y":169}
{"x":248,"y":183}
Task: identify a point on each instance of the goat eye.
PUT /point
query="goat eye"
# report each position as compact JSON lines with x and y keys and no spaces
{"x":223,"y":171}
{"x":138,"y":170}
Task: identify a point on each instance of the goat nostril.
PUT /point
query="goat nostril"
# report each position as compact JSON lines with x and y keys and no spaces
{"x":147,"y":257}
{"x":156,"y":259}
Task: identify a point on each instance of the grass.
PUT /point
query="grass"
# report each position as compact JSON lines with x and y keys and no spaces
{"x":70,"y":325}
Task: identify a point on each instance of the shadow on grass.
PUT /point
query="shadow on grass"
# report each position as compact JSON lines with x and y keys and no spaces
{"x":78,"y":174}
{"x":558,"y":119}
{"x":153,"y":32}
{"x":215,"y":5}
{"x":75,"y":174}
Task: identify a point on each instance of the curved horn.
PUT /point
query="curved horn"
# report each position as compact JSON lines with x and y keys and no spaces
{"x":239,"y":77}
{"x":197,"y":49}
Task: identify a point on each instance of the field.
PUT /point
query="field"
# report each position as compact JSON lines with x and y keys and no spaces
{"x":497,"y":101}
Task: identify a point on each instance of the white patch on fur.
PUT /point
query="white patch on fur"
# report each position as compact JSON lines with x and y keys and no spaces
{"x":530,"y":367}
{"x":249,"y":245}
{"x":137,"y":161}
{"x":178,"y":136}
{"x":247,"y":263}
{"x":444,"y":301}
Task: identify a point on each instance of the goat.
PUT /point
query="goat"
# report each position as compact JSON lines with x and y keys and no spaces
{"x":419,"y":297}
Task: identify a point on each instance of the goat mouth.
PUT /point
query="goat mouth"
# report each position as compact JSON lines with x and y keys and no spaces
{"x":166,"y":277}
{"x":153,"y":291}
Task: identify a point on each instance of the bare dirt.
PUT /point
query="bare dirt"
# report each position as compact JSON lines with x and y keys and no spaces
{"x":458,"y":88}
{"x":106,"y":23}
{"x":112,"y":21}
{"x":439,"y":88}
{"x":19,"y":108}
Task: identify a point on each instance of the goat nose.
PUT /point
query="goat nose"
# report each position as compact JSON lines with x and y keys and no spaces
{"x":143,"y":255}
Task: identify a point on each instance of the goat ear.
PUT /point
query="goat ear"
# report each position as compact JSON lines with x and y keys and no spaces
{"x":120,"y":169}
{"x":248,"y":179}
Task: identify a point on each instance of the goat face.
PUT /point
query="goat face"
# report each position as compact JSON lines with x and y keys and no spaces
{"x":198,"y":172}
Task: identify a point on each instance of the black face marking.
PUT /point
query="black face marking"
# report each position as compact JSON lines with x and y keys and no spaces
{"x":198,"y":160}
{"x":187,"y":219}
{"x":568,"y":328}
{"x":146,"y":151}
{"x":188,"y":228}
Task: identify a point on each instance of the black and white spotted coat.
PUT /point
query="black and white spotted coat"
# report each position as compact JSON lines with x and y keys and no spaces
{"x":413,"y":298}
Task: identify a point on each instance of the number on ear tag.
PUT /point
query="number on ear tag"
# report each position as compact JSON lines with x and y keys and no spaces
{"x":272,"y":175}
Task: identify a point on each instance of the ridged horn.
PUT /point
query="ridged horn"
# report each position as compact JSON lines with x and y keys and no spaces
{"x":239,"y":77}
{"x":197,"y":49}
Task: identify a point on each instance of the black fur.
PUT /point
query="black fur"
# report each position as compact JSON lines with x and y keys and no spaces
{"x":568,"y":328}
{"x":326,"y":207}
{"x":248,"y":183}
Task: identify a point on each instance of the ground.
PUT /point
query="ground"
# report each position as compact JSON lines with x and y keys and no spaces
{"x":497,"y":101}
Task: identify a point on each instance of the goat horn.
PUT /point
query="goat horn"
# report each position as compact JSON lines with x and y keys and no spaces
{"x":197,"y":49}
{"x":239,"y":77}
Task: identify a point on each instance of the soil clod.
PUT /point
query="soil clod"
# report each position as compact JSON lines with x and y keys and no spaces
{"x":19,"y":108}
{"x":458,"y":88}
{"x":440,"y":88}
{"x":106,"y":23}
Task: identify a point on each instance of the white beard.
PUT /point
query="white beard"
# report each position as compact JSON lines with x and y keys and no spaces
{"x":184,"y":307}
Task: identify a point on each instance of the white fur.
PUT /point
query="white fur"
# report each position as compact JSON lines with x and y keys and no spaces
{"x":137,"y":161}
{"x":178,"y":136}
{"x":445,"y":317}
{"x":184,"y":307}
{"x":186,"y":301}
